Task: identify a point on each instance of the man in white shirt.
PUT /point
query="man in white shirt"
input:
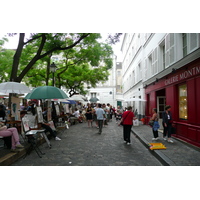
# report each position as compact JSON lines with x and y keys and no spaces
{"x":100,"y":117}
{"x":77,"y":115}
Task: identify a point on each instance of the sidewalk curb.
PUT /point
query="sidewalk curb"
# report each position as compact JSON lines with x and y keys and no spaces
{"x":157,"y":153}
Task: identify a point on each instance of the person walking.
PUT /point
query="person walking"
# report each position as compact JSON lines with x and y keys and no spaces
{"x":155,"y":126}
{"x":127,"y":119}
{"x":108,"y":112}
{"x":111,"y":112}
{"x":167,"y":123}
{"x":6,"y":132}
{"x":100,"y":117}
{"x":119,"y":113}
{"x":95,"y":116}
{"x":105,"y":123}
{"x":89,"y":113}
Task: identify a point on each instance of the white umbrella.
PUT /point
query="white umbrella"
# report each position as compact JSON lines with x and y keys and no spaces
{"x":77,"y":97}
{"x":3,"y":94}
{"x":14,"y":87}
{"x":134,"y":99}
{"x":60,"y":100}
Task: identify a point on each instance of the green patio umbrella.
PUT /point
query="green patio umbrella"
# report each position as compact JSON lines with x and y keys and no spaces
{"x":46,"y":92}
{"x":94,"y":100}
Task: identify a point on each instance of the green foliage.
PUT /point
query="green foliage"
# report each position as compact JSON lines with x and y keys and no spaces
{"x":6,"y":59}
{"x":88,"y":62}
{"x":84,"y":60}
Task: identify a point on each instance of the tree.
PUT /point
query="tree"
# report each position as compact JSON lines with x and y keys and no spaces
{"x":88,"y":63}
{"x":90,"y":58}
{"x":47,"y":43}
{"x":6,"y":56}
{"x":31,"y":53}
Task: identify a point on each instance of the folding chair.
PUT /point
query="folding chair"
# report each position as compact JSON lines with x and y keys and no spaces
{"x":42,"y":132}
{"x":39,"y":119}
{"x":32,"y":136}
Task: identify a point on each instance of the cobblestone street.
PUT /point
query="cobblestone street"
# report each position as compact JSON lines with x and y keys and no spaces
{"x":83,"y":146}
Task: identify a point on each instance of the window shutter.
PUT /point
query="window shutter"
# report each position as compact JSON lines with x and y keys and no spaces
{"x":167,"y":46}
{"x":193,"y":41}
{"x":172,"y":48}
{"x":155,"y":61}
{"x":145,"y":69}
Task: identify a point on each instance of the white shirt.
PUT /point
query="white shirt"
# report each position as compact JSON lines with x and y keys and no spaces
{"x":76,"y":114}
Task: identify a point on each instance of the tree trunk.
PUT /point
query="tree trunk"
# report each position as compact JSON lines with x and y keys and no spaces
{"x":16,"y":58}
{"x":48,"y":69}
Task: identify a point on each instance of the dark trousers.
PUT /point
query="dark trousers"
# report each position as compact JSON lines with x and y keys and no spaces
{"x":100,"y":124}
{"x":155,"y":133}
{"x":118,"y":117}
{"x":167,"y":130}
{"x":127,"y":132}
{"x":49,"y":129}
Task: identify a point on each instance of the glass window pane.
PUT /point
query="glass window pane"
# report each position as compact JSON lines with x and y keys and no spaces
{"x":183,"y":102}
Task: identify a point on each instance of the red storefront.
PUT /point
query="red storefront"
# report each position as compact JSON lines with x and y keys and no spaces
{"x":181,"y":90}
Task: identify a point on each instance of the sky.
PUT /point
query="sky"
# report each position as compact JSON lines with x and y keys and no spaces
{"x":12,"y":44}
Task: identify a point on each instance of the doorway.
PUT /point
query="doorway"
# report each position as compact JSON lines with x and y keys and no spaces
{"x":161,"y":103}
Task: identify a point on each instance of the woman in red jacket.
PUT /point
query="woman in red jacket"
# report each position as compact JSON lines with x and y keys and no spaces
{"x":127,"y":119}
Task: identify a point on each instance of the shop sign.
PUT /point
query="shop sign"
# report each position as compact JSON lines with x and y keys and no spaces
{"x":183,"y":75}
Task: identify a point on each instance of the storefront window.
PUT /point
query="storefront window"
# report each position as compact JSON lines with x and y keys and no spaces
{"x":183,"y":102}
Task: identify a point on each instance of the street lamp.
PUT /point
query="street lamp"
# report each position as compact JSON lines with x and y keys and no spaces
{"x":53,"y":70}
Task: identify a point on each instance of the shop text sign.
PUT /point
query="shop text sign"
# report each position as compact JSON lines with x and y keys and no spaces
{"x":183,"y":75}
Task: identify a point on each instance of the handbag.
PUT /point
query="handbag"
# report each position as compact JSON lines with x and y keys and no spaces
{"x":151,"y":122}
{"x":121,"y":123}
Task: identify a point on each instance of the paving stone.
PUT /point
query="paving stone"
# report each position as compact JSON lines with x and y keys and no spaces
{"x":83,"y":146}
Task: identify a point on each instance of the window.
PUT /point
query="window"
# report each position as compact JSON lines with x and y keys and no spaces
{"x":193,"y":41}
{"x":145,"y":69}
{"x":170,"y":49}
{"x":139,"y":72}
{"x":93,"y":95}
{"x":133,"y":77}
{"x":184,"y":38}
{"x":155,"y":61}
{"x":161,"y":56}
{"x":118,"y":88}
{"x":183,"y":102}
{"x":150,"y":67}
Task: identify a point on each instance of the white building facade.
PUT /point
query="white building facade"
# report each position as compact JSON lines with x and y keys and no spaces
{"x":164,"y":69}
{"x":106,"y":92}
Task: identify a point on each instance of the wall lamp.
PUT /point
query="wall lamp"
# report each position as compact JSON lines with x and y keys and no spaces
{"x":173,"y":70}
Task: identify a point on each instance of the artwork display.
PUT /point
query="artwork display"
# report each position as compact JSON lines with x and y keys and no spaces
{"x":57,"y":110}
{"x":39,"y":115}
{"x":15,"y":107}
